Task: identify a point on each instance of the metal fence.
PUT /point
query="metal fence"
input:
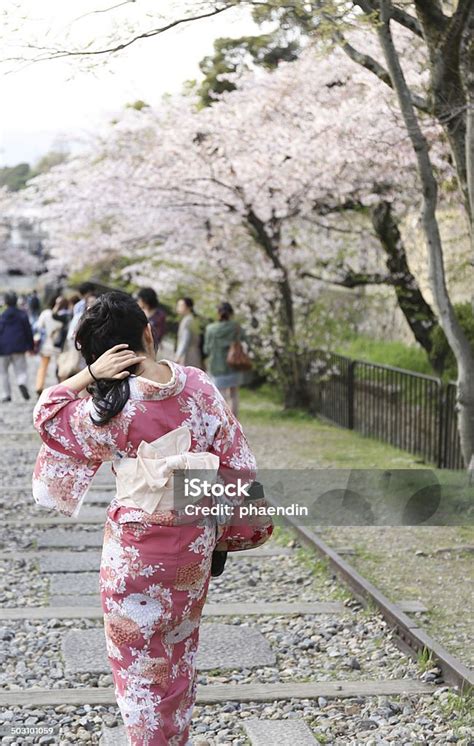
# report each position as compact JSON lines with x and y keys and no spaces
{"x":408,"y":410}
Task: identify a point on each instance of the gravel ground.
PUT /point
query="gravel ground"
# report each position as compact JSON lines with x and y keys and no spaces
{"x":243,"y":580}
{"x":323,"y":647}
{"x":371,"y":721}
{"x":21,"y":584}
{"x":355,"y":645}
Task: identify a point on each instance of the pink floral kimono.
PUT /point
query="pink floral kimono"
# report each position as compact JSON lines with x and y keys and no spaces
{"x":155,"y":567}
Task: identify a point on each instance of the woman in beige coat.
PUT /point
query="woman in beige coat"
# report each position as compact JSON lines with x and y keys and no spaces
{"x":188,"y":351}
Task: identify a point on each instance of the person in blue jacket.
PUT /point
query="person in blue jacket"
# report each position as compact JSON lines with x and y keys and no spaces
{"x":16,"y":338}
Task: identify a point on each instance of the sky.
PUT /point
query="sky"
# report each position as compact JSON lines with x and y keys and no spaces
{"x":54,"y":104}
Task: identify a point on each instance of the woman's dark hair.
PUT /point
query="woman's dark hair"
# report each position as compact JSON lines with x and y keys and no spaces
{"x":225,"y":311}
{"x":148,"y":296}
{"x":86,"y":287}
{"x":114,"y":318}
{"x":189,"y":303}
{"x":11,"y":299}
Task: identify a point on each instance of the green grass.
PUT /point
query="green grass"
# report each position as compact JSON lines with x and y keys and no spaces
{"x":458,"y":709}
{"x":313,"y":443}
{"x":328,"y":445}
{"x":425,"y":660}
{"x":399,"y":355}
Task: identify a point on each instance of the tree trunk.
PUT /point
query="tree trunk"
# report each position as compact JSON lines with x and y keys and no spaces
{"x":288,"y":360}
{"x":418,"y":313}
{"x":444,"y":36}
{"x":467,"y":78}
{"x":457,"y":339}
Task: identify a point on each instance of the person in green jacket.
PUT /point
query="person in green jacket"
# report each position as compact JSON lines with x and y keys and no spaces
{"x":217,"y":341}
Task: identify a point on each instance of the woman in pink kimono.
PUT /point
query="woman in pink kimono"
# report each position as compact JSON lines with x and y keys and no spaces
{"x":156,"y":562}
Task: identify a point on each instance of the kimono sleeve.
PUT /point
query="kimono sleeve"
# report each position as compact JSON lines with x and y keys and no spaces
{"x":248,"y":525}
{"x":73,"y":448}
{"x":231,"y":445}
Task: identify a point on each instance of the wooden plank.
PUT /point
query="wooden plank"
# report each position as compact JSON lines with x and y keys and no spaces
{"x":224,"y":609}
{"x":54,"y":520}
{"x":218,"y":610}
{"x":36,"y":554}
{"x":223,"y":693}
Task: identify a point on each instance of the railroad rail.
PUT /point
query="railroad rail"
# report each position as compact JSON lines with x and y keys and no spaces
{"x":410,"y":637}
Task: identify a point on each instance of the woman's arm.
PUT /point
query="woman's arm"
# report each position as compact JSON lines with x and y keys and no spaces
{"x":40,"y":321}
{"x":73,"y":447}
{"x":109,"y":365}
{"x":61,"y":417}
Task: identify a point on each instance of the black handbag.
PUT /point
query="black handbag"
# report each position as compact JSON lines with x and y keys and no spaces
{"x":218,"y":563}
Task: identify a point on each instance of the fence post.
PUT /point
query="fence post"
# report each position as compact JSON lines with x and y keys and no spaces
{"x":442,"y":435}
{"x":350,"y":394}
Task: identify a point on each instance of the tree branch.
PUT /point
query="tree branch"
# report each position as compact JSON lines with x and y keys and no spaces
{"x":431,"y":12}
{"x":371,"y":64}
{"x":400,"y":16}
{"x":354,"y":279}
{"x":105,"y":10}
{"x":455,"y":28}
{"x":59,"y":53}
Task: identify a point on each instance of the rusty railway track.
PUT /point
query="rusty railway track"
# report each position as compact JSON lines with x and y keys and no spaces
{"x":409,"y":636}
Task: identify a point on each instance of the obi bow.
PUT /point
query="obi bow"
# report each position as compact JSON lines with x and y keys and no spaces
{"x":146,"y":482}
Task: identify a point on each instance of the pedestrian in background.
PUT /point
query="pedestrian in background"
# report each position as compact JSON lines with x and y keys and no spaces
{"x":87,"y":294}
{"x":219,"y":337}
{"x":34,"y":308}
{"x":188,"y":346}
{"x":148,"y":301}
{"x":84,"y":289}
{"x":70,"y":360}
{"x":16,"y":338}
{"x":51,"y":329}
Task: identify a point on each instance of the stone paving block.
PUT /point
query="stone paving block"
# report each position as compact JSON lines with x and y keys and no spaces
{"x":54,"y":537}
{"x":81,"y":600}
{"x":113,"y":736}
{"x":233,"y":646}
{"x":69,"y":562}
{"x":271,"y":732}
{"x":87,"y":512}
{"x":221,"y":646}
{"x":81,"y":583}
{"x":100,"y":497}
{"x":103,"y":476}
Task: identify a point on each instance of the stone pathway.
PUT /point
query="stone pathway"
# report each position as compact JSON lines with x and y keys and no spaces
{"x":286,"y":656}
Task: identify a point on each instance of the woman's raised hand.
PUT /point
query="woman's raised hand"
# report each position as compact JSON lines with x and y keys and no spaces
{"x":112,"y":363}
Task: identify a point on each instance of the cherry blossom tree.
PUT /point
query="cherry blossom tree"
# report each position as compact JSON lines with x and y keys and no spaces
{"x":19,"y":255}
{"x":445,"y":31}
{"x":252,"y":198}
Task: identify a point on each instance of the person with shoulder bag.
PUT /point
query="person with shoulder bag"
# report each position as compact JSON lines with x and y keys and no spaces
{"x":226,"y":358}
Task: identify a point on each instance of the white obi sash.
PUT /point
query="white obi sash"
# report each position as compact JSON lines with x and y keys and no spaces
{"x":146,"y":482}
